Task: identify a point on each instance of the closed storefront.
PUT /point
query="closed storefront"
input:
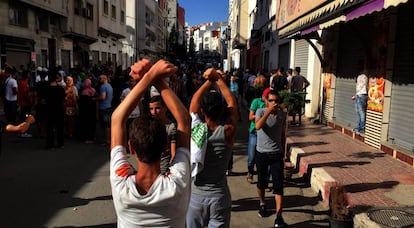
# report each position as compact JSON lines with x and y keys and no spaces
{"x":350,"y":51}
{"x":401,"y":125}
{"x":16,"y":51}
{"x":301,"y":56}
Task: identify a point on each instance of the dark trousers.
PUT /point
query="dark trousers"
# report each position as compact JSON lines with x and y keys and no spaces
{"x":276,"y":162}
{"x":55,"y":127}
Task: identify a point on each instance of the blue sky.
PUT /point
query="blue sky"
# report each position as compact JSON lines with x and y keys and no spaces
{"x":201,"y":11}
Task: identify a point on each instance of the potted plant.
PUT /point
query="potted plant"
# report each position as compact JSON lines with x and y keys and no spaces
{"x":294,"y":101}
{"x":341,"y":216}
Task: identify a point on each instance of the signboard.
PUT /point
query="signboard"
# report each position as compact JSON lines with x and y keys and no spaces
{"x":33,"y":56}
{"x":376,"y":94}
{"x":290,"y":10}
{"x":327,"y":81}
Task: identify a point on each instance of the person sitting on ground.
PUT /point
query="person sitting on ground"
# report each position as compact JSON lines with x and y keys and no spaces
{"x":147,"y":197}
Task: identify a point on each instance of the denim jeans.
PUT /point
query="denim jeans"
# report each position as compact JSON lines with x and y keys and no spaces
{"x":361,"y":111}
{"x":251,"y":150}
{"x":206,"y":210}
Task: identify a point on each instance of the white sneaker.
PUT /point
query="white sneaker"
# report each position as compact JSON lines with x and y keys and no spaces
{"x":26,"y":135}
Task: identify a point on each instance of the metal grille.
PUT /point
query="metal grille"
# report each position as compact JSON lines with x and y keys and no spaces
{"x":392,"y":217}
{"x":373,"y":129}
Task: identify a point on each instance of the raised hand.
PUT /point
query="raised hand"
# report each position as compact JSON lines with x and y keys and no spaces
{"x":162,"y":69}
{"x":211,"y":74}
{"x":139,"y":69}
{"x":222,"y":74}
{"x":30,"y":119}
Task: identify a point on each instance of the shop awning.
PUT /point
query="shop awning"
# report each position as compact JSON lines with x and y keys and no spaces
{"x":372,"y":6}
{"x":320,"y":15}
{"x":332,"y":13}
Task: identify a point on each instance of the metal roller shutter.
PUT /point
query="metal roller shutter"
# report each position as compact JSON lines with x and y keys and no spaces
{"x":401,"y":126}
{"x":301,"y":56}
{"x":344,"y":111}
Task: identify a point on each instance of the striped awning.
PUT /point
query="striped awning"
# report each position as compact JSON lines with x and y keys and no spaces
{"x":334,"y":12}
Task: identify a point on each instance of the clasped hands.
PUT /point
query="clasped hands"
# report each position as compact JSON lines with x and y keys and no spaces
{"x":164,"y":69}
{"x":160,"y":70}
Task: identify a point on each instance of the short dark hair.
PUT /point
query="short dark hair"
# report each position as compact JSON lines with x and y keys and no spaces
{"x":297,"y":69}
{"x":274,"y":92}
{"x":157,"y":98}
{"x":148,"y":137}
{"x":212,"y":105}
{"x":10,"y":70}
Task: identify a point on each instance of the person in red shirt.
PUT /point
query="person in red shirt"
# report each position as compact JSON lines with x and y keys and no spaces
{"x":24,"y":98}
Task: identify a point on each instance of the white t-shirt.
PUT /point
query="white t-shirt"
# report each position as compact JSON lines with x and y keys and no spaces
{"x":166,"y":202}
{"x":10,"y":83}
{"x":135,"y":113}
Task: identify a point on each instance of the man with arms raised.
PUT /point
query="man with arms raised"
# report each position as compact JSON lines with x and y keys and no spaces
{"x":148,"y":197}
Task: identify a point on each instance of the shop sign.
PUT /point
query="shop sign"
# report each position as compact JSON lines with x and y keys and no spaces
{"x":376,"y":94}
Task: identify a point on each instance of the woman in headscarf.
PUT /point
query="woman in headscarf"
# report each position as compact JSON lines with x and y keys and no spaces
{"x":87,"y":112}
{"x":71,"y":106}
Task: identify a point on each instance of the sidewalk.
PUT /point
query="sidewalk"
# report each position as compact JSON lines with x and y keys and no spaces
{"x":373,"y":179}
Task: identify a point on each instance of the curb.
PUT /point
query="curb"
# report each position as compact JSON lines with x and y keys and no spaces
{"x":321,"y":182}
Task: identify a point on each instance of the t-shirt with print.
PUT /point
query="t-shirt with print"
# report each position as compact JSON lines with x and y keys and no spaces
{"x":166,"y":202}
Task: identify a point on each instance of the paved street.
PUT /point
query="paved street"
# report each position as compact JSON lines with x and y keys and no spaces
{"x":70,"y":188}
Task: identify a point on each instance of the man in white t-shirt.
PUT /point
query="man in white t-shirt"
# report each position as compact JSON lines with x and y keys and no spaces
{"x":10,"y":95}
{"x":147,"y":197}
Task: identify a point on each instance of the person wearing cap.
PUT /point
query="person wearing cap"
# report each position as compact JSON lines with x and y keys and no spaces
{"x":211,"y":146}
{"x":41,"y":74}
{"x":256,"y":104}
{"x":271,"y":138}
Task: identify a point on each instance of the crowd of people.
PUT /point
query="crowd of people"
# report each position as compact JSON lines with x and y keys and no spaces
{"x":179,"y":122}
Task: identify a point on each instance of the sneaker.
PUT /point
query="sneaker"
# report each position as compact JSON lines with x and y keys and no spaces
{"x":356,"y":130}
{"x":262,"y":211}
{"x":26,"y":135}
{"x":279,"y":222}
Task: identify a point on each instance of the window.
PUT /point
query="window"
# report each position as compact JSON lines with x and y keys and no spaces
{"x":267,"y":35}
{"x":106,"y":7}
{"x":77,"y":7}
{"x":147,"y":18}
{"x":113,"y":12}
{"x":89,"y":11}
{"x":18,"y":16}
{"x":43,"y":22}
{"x":122,"y":16}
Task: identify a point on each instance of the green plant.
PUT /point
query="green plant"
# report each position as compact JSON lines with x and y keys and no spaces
{"x":294,"y":101}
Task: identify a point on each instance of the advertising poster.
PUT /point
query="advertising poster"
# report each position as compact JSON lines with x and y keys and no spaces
{"x":376,"y":94}
{"x":327,"y":80}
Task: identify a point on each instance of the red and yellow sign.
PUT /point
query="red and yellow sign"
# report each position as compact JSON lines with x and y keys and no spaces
{"x":327,"y":80}
{"x":376,"y":94}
